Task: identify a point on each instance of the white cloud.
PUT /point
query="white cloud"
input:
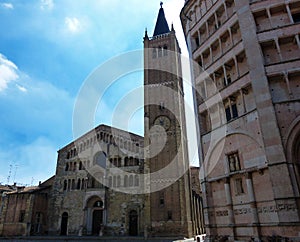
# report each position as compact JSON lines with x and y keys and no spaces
{"x":47,"y":4}
{"x":8,"y":72}
{"x":21,"y":88}
{"x":7,"y":5}
{"x":72,"y":24}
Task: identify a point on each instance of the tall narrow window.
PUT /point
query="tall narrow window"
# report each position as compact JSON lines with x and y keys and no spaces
{"x":231,"y":111}
{"x":22,"y":216}
{"x":165,"y":50}
{"x":154,"y":54}
{"x":239,"y":190}
{"x":234,"y":162}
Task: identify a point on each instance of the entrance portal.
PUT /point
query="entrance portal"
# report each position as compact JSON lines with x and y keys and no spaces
{"x":133,"y":223}
{"x":64,"y":224}
{"x":97,"y":221}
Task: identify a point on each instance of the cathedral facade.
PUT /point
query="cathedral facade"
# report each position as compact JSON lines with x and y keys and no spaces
{"x":114,"y":183}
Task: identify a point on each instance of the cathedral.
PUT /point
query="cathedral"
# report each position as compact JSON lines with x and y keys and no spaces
{"x":109,"y":182}
{"x":245,"y":58}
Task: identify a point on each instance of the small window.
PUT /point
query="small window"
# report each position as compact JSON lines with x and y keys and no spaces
{"x":234,"y":110}
{"x":228,"y":113}
{"x":231,"y":112}
{"x":22,"y":216}
{"x":169,"y":215}
{"x":98,"y":204}
{"x":239,"y":186}
{"x":296,"y":17}
{"x":161,"y":199}
{"x":234,"y":162}
{"x":161,"y":106}
{"x":67,"y":167}
{"x":65,"y":185}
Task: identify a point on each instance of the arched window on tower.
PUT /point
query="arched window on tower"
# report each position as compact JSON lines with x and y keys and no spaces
{"x":154,"y":53}
{"x":159,"y":51}
{"x":165,"y":50}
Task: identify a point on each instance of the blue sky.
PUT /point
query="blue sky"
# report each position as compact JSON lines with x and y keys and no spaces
{"x":47,"y":49}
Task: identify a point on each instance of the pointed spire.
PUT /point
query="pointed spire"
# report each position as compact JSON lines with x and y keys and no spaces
{"x":172,"y":28}
{"x":161,"y":26}
{"x":146,"y":34}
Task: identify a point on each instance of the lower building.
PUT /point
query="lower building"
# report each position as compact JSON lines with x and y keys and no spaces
{"x":24,"y":210}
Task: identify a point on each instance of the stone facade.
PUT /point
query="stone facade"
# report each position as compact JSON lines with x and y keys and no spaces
{"x":246,"y":73}
{"x":168,"y":206}
{"x":96,"y":185}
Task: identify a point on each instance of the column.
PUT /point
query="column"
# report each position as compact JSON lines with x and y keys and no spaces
{"x":230,"y":36}
{"x":252,"y":200}
{"x":288,"y":10}
{"x":236,"y":66}
{"x":242,"y":91}
{"x":225,"y":75}
{"x":278,"y":48}
{"x":229,"y":205}
{"x":225,"y":8}
{"x":220,"y":45}
{"x":286,"y":78}
{"x":269,"y":16}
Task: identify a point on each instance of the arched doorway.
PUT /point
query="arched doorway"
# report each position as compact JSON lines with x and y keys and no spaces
{"x":64,"y":224}
{"x":97,"y":217}
{"x":133,"y":223}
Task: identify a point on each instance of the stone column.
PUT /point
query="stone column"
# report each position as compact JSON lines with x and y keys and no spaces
{"x":231,"y":221}
{"x":252,"y":200}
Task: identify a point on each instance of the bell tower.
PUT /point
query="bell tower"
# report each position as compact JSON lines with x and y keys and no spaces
{"x":168,"y":202}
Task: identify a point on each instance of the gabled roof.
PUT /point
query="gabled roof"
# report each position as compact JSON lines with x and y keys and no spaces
{"x":161,"y":26}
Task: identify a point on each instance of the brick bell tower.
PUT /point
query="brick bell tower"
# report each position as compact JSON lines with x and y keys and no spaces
{"x":168,"y":198}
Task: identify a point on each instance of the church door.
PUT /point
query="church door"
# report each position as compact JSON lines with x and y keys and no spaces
{"x":133,"y":223}
{"x":97,"y":221}
{"x":64,"y":224}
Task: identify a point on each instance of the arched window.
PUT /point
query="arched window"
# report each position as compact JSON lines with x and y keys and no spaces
{"x":118,"y":181}
{"x":78,"y":184}
{"x":154,"y":53}
{"x":73,"y":184}
{"x":165,"y":50}
{"x":114,"y":181}
{"x":159,"y":51}
{"x":131,"y":180}
{"x":69,"y":184}
{"x":65,"y":185}
{"x":126,"y":161}
{"x":100,"y":159}
{"x":110,"y":181}
{"x":136,"y":181}
{"x":80,"y":165}
{"x":67,"y":167}
{"x":126,"y":181}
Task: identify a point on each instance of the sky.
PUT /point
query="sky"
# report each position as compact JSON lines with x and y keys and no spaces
{"x":48,"y":48}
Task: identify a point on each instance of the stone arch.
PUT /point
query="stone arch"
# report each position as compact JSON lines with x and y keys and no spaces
{"x":94,"y":215}
{"x":292,"y":148}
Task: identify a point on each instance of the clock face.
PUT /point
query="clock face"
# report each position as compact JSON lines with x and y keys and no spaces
{"x":163,"y":121}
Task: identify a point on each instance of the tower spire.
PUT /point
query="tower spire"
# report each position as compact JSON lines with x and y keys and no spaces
{"x":161,"y":26}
